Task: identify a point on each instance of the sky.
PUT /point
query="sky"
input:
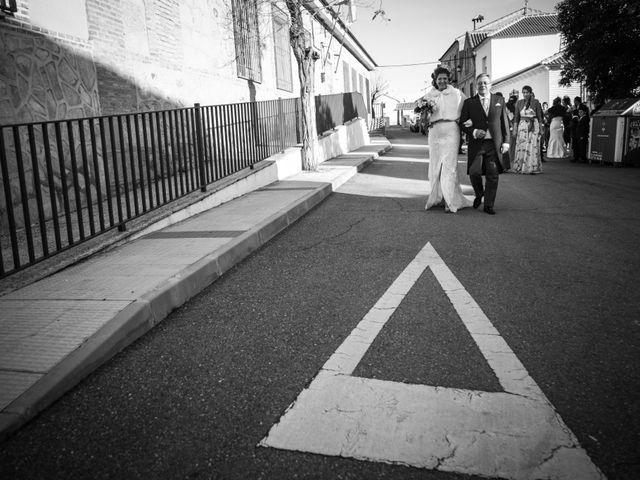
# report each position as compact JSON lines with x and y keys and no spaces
{"x":419,"y":31}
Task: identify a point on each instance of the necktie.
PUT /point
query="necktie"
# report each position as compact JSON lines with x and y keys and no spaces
{"x":485,"y":105}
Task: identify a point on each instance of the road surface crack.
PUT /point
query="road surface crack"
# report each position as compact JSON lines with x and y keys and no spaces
{"x":333,"y":237}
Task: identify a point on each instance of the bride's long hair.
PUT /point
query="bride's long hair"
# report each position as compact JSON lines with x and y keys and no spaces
{"x":439,"y":71}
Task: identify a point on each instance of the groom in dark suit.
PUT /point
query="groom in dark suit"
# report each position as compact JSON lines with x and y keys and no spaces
{"x":484,"y":119}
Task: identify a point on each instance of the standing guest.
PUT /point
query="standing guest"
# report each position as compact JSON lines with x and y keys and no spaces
{"x":484,"y":120}
{"x":545,"y":130}
{"x":511,"y":115}
{"x":573,"y":127}
{"x":556,"y":114}
{"x":566,"y":122}
{"x":444,"y":102}
{"x":527,"y":124}
{"x":583,"y":133}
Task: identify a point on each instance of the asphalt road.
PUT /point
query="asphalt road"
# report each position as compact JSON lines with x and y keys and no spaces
{"x":556,"y":272}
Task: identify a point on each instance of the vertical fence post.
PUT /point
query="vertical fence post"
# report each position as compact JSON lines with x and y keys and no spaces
{"x":200,"y":148}
{"x":298,"y":120}
{"x":281,"y":124}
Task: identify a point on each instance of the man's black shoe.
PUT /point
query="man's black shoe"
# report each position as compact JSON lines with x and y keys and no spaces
{"x":476,"y":202}
{"x":489,"y":210}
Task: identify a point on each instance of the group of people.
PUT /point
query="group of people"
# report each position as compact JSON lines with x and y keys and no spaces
{"x":568,"y":129}
{"x":501,"y":137}
{"x":561,"y":131}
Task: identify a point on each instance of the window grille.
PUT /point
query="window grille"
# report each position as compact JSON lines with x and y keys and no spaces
{"x":367,"y":100}
{"x":282,"y":52}
{"x":8,"y":6}
{"x":247,"y":39}
{"x":345,"y":76}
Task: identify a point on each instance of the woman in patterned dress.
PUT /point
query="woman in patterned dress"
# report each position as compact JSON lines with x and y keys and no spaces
{"x":528,"y":127}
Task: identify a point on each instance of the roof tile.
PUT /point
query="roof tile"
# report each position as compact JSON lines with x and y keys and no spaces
{"x":530,"y":25}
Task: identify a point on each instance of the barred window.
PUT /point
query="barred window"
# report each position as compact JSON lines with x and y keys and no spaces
{"x":8,"y":6}
{"x":354,"y":80}
{"x":282,"y":52}
{"x":247,"y":39}
{"x":367,"y":99}
{"x":345,"y":76}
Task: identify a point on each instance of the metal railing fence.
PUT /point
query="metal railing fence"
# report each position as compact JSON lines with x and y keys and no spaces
{"x":64,"y":182}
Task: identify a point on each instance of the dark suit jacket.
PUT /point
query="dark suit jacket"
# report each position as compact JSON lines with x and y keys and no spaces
{"x":583,"y":128}
{"x":497,"y":123}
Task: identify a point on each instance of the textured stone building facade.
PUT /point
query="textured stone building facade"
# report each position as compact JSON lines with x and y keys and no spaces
{"x":100,"y":57}
{"x":80,"y":59}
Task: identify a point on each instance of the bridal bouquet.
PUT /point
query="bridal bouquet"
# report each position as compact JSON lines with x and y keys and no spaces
{"x":426,"y":104}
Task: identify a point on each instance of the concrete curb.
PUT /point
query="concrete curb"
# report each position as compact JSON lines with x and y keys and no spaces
{"x":151,"y":308}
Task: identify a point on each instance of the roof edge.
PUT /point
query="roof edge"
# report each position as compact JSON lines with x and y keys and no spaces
{"x":542,"y":63}
{"x":325,"y":10}
{"x":519,"y":72}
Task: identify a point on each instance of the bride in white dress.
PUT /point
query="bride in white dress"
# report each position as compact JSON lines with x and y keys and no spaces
{"x":445,"y":103}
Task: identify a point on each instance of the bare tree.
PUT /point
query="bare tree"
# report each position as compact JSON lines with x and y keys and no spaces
{"x":305,"y":57}
{"x":379,"y":87}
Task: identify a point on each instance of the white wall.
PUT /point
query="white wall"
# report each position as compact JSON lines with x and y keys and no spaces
{"x":209,"y":56}
{"x":537,"y":79}
{"x":556,"y":90}
{"x":68,"y":17}
{"x":206,"y":71}
{"x":543,"y":82}
{"x":485,"y":50}
{"x":331,"y":64}
{"x":508,"y":55}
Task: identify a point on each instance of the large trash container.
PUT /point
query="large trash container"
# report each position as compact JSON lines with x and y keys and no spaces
{"x":631,"y":155}
{"x":615,"y":133}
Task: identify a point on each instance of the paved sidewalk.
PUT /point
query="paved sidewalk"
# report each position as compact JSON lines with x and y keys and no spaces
{"x":56,"y":331}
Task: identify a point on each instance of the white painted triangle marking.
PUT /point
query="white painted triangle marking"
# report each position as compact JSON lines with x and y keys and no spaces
{"x":515,"y":434}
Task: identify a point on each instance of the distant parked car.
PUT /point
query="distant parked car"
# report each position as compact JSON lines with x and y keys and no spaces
{"x":415,"y":123}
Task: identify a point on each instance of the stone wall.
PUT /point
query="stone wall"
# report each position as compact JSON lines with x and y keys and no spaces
{"x":41,"y":79}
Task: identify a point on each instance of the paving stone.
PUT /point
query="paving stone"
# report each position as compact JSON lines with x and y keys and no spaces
{"x":14,"y":384}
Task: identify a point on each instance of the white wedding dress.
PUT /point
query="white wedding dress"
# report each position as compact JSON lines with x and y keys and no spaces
{"x":444,"y":142}
{"x":555,"y":147}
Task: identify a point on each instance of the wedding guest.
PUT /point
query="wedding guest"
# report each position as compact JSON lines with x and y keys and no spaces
{"x":583,"y":133}
{"x":573,"y":127}
{"x":556,"y":147}
{"x":527,"y":124}
{"x":511,"y":114}
{"x":566,"y":122}
{"x":545,"y":130}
